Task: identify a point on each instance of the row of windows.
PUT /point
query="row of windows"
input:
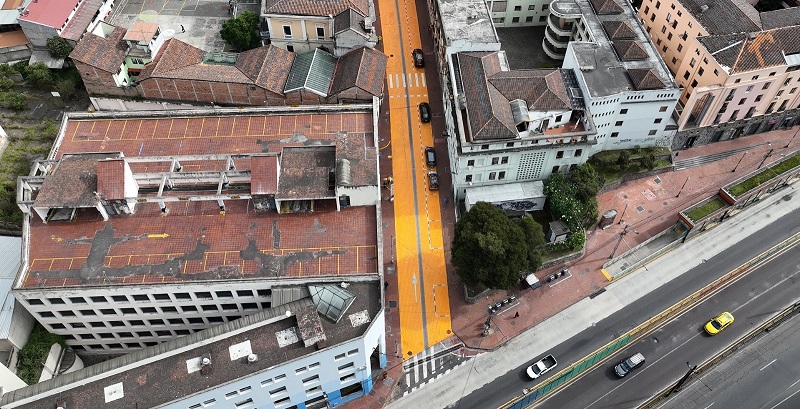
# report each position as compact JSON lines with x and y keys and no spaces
{"x":114,"y":312}
{"x":182,"y":322}
{"x":500,"y":6}
{"x":162,"y":297}
{"x":528,"y":19}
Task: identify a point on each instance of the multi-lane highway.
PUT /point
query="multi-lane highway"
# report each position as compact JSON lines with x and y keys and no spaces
{"x":780,"y":274}
{"x":682,"y":343}
{"x":765,"y":374}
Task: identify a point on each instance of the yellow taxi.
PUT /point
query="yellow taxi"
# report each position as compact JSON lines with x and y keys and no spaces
{"x":719,"y":323}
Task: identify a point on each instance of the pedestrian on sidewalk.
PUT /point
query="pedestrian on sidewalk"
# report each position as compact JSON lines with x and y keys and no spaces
{"x":516,"y":315}
{"x":183,"y":30}
{"x":445,"y":200}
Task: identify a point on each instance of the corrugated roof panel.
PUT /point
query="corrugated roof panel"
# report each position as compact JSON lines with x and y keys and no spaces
{"x":10,"y":256}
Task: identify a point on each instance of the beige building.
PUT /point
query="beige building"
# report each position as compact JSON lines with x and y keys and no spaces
{"x":337,"y":26}
{"x":737,"y":67}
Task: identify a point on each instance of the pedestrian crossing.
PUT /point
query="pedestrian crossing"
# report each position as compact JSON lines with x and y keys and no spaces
{"x":410,"y":81}
{"x":426,"y":367}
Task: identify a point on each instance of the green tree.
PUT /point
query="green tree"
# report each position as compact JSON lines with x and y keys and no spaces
{"x":242,"y":32}
{"x":488,"y":248}
{"x":66,"y":87}
{"x":6,"y":83}
{"x":58,"y":47}
{"x":648,"y":161}
{"x":572,"y":196}
{"x":623,"y":159}
{"x":39,"y":75}
{"x":534,"y":238}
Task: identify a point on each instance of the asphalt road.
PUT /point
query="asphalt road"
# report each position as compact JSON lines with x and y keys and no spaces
{"x":765,"y":374}
{"x":512,"y":383}
{"x":682,"y":342}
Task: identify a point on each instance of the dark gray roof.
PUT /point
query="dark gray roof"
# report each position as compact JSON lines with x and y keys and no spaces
{"x":723,"y":16}
{"x":780,"y":18}
{"x":157,"y":375}
{"x":349,"y":19}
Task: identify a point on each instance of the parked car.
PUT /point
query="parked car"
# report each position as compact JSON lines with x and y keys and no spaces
{"x":541,"y":367}
{"x":425,"y":112}
{"x":719,"y":323}
{"x":625,"y":366}
{"x":433,"y":181}
{"x":419,"y":58}
{"x":430,"y":157}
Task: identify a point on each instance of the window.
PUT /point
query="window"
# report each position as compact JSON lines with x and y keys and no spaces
{"x":738,"y":80}
{"x":290,"y":48}
{"x":680,"y":47}
{"x":623,"y":111}
{"x":669,"y":17}
{"x":501,"y":176}
{"x":664,"y":48}
{"x":320,"y":33}
{"x":484,"y":147}
{"x":742,"y":101}
{"x":277,"y":391}
{"x":758,"y":98}
{"x":692,"y":62}
{"x":161,"y":297}
{"x":749,"y":88}
{"x":529,"y":19}
{"x":542,"y":18}
{"x":88,"y":313}
{"x":663,"y":29}
{"x":47,"y":314}
{"x":517,"y":8}
{"x":245,"y":403}
{"x":614,"y":134}
{"x":657,"y":121}
{"x":347,"y":378}
{"x":67,"y":313}
{"x":468,"y":178}
{"x":119,"y":298}
{"x":755,"y":77}
{"x":149,"y":310}
{"x":658,"y":4}
{"x":766,"y":85}
{"x":495,"y":161}
{"x":156,"y":322}
{"x":686,"y":75}
{"x":471,"y":162}
{"x":492,"y":175}
{"x":531,"y":7}
{"x":618,"y":123}
{"x":669,"y":36}
{"x":74,"y":300}
{"x":504,"y":160}
{"x":700,"y":71}
{"x":515,"y":19}
{"x":662,"y":109}
{"x":674,"y":60}
{"x":141,"y":297}
{"x":779,"y":93}
{"x":647,"y":10}
{"x":652,"y":132}
{"x":559,"y":154}
{"x":545,"y":7}
{"x":694,"y":83}
{"x":287,"y":31}
{"x":734,"y":115}
{"x":189,"y":308}
{"x":346,"y":367}
{"x":792,"y":91}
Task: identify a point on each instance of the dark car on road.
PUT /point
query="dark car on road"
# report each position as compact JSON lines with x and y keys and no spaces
{"x":430,"y":156}
{"x":419,"y":59}
{"x":625,"y":366}
{"x":425,"y":112}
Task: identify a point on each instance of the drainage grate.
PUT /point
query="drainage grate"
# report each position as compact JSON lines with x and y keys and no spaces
{"x":657,"y":180}
{"x":392,"y":304}
{"x":639,"y":209}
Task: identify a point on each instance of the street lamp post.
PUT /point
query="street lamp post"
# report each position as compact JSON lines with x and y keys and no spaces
{"x":765,"y":159}
{"x":740,"y":161}
{"x":621,"y":236}
{"x":792,"y":138}
{"x":684,"y":185}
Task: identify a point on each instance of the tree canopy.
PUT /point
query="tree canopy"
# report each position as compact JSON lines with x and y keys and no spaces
{"x":242,"y":32}
{"x":492,"y":250}
{"x":573,"y":196}
{"x":58,"y":47}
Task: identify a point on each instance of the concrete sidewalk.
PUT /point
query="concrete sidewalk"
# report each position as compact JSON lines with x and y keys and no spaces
{"x":569,"y":322}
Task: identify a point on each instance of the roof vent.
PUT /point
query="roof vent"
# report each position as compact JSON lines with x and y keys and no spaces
{"x":252,"y":358}
{"x":751,"y":36}
{"x":205,"y":362}
{"x":704,"y":8}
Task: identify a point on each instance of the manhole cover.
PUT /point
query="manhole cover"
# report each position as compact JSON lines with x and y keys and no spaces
{"x":392,"y":304}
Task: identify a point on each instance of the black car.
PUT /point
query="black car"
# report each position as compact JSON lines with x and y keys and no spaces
{"x":419,"y":60}
{"x":430,"y":157}
{"x":625,"y":366}
{"x":425,"y":112}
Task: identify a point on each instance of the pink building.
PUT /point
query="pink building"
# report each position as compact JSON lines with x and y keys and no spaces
{"x":68,"y":19}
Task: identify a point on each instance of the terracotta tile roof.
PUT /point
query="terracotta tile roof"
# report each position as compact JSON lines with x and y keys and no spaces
{"x":73,"y":182}
{"x":628,"y":50}
{"x":268,"y":66}
{"x":488,"y":111}
{"x":541,"y":89}
{"x":141,"y":31}
{"x":617,"y":30}
{"x":348,"y":19}
{"x":314,"y":7}
{"x":172,"y":56}
{"x":723,"y":16}
{"x":644,"y":78}
{"x":80,"y":21}
{"x":363,"y":68}
{"x":111,"y":179}
{"x":105,"y":53}
{"x":765,"y":49}
{"x":602,"y":7}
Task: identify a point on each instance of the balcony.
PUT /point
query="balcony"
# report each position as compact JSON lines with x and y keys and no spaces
{"x":552,"y":51}
{"x":556,"y":40}
{"x":559,"y":26}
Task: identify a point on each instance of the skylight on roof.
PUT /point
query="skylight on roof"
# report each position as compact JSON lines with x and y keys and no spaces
{"x":219,"y":58}
{"x":331,"y":300}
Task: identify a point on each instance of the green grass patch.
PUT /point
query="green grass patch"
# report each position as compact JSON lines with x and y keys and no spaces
{"x":764,"y":176}
{"x":607,"y":163}
{"x":34,"y":353}
{"x":711,"y":206}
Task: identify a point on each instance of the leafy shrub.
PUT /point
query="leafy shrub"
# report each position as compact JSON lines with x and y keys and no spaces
{"x":34,"y":353}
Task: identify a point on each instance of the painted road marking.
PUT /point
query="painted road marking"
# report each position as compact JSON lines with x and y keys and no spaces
{"x":765,"y":366}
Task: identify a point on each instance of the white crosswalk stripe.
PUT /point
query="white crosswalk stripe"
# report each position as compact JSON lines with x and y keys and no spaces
{"x":412,"y":80}
{"x":424,"y":368}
